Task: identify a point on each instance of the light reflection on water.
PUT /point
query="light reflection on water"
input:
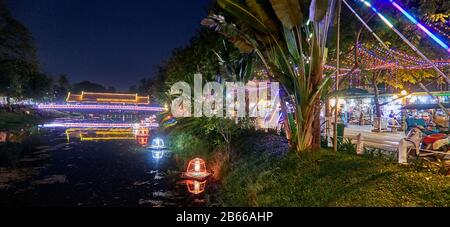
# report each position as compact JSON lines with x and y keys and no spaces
{"x":141,"y":136}
{"x":131,"y":155}
{"x":3,"y":137}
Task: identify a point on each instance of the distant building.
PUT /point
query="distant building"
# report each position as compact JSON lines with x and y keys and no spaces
{"x":108,"y":98}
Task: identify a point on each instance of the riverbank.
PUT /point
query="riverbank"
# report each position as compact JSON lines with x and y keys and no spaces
{"x":25,"y":118}
{"x":14,"y":120}
{"x":262,"y":172}
{"x":260,"y":179}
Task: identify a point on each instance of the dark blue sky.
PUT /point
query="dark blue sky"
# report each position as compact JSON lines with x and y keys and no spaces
{"x":112,"y":42}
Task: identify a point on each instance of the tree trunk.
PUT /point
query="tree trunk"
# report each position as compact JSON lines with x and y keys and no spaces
{"x":305,"y":117}
{"x":377,"y":101}
{"x":304,"y":134}
{"x":284,"y":111}
{"x":316,"y":136}
{"x":377,"y":95}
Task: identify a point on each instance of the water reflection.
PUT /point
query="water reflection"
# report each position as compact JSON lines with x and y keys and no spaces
{"x":106,"y":134}
{"x":196,"y":187}
{"x":157,"y":154}
{"x":3,"y":137}
{"x":155,"y":172}
{"x":142,"y":140}
{"x":16,"y":136}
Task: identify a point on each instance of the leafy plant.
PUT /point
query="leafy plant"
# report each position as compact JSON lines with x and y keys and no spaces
{"x":291,"y":48}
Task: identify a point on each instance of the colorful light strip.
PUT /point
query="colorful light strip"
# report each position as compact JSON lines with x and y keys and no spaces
{"x":102,"y":107}
{"x":100,"y":125}
{"x":384,"y":19}
{"x":419,"y":25}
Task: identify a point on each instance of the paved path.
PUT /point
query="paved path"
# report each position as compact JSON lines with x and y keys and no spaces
{"x":385,"y":140}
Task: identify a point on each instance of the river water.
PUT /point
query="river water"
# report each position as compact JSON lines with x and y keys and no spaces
{"x":94,"y":167}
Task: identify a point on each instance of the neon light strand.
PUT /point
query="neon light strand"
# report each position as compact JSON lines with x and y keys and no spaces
{"x":102,"y":107}
{"x":384,"y":19}
{"x":100,"y":125}
{"x":419,"y":25}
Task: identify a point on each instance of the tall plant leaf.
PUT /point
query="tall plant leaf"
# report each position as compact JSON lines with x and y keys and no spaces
{"x":291,"y":43}
{"x":257,"y":9}
{"x":242,"y":13}
{"x":318,"y":10}
{"x":288,"y":12}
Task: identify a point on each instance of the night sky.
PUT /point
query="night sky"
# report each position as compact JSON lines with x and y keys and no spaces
{"x":111,"y":42}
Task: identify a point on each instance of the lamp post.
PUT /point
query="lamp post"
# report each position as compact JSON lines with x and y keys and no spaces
{"x":338,"y":41}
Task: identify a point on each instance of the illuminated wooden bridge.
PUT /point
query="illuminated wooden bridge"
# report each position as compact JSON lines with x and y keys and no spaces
{"x":105,"y":101}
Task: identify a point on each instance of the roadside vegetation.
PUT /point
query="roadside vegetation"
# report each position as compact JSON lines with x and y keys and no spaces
{"x":325,"y":178}
{"x":262,"y":171}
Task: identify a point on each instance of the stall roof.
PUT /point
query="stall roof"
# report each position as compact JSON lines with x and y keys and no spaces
{"x":349,"y":92}
{"x":425,"y":106}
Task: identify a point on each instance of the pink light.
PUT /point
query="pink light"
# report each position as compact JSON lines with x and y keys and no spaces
{"x":101,"y":107}
{"x":100,"y":125}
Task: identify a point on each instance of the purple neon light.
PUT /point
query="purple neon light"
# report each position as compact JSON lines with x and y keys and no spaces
{"x":101,"y":107}
{"x":100,"y":125}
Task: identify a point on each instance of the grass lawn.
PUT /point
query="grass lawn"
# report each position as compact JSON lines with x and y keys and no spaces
{"x":331,"y":179}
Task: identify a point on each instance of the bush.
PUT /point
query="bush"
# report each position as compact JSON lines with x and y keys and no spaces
{"x":325,"y":178}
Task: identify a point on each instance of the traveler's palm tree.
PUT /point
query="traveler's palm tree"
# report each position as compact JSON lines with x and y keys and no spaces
{"x":289,"y":36}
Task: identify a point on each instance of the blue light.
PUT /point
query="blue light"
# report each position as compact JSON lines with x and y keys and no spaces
{"x":409,"y":16}
{"x":432,"y":36}
{"x":157,"y":144}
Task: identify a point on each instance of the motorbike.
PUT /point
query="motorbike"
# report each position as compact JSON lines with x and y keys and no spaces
{"x":428,"y":143}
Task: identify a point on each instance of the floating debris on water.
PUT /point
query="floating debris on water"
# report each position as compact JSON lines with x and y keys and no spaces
{"x":163,"y":194}
{"x":151,"y":202}
{"x":140,"y":183}
{"x":54,"y":179}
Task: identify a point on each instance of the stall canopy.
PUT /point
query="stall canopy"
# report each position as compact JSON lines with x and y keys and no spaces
{"x":425,"y":106}
{"x":349,"y":92}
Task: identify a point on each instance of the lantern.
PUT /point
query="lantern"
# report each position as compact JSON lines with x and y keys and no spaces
{"x":195,"y":187}
{"x":157,"y":143}
{"x":197,"y":169}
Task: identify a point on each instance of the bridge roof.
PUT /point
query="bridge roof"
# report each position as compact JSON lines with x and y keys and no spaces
{"x":91,"y":97}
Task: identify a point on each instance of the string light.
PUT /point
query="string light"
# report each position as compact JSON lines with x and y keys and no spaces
{"x":377,"y":58}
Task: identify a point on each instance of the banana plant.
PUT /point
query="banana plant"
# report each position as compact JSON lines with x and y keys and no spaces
{"x":289,"y":37}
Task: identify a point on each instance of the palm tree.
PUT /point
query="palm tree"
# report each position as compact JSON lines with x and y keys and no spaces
{"x":289,"y":37}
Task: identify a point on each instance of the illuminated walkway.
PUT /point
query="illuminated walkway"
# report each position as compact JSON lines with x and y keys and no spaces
{"x":382,"y":140}
{"x":101,"y":125}
{"x":102,"y":107}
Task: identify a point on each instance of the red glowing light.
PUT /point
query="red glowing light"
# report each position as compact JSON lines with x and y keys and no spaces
{"x":197,"y":169}
{"x":143,"y":141}
{"x":195,"y":187}
{"x":143,"y":132}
